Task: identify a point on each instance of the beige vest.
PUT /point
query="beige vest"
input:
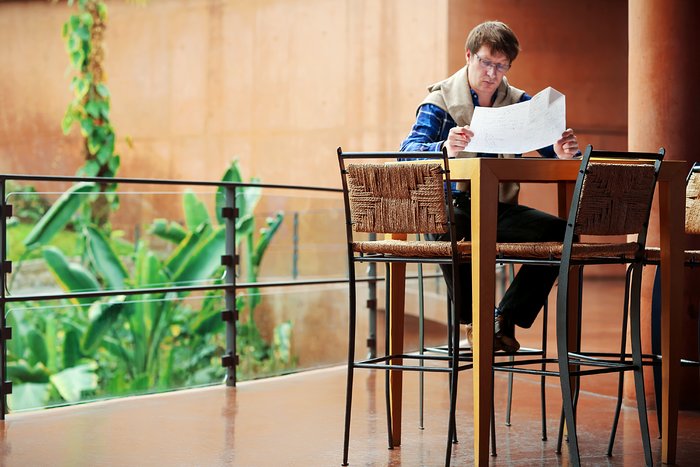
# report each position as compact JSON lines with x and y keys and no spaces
{"x":452,"y":95}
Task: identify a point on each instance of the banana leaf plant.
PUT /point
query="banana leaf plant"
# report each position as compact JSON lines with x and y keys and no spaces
{"x":126,"y":344}
{"x":35,"y":365}
{"x":257,"y":355}
{"x":41,"y":373}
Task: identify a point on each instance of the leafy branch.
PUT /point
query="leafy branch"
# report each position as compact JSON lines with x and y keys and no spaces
{"x":90,"y":107}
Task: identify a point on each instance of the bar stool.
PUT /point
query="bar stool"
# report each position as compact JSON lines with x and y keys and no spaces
{"x":410,"y":198}
{"x":612,"y":197}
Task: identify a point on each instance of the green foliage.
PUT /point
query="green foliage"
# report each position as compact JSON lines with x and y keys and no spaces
{"x":60,"y":213}
{"x":95,"y":346}
{"x":72,"y":382}
{"x":67,"y":240}
{"x":34,"y":365}
{"x":89,"y":109}
{"x":27,"y":204}
{"x":170,"y":231}
{"x":74,"y":277}
{"x":257,"y":356}
{"x":105,"y":259}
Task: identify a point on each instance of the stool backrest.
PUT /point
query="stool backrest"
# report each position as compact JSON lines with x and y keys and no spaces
{"x":615,"y":198}
{"x":613,"y":195}
{"x":397,"y":197}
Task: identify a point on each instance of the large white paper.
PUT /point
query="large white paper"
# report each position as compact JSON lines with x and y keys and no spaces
{"x":521,"y":127}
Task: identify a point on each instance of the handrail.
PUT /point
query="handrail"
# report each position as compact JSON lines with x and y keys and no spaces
{"x":157,"y":181}
{"x":196,"y":288}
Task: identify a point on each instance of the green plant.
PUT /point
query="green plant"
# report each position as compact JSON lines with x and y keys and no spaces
{"x":90,"y":107}
{"x":143,"y":342}
{"x":66,"y":241}
{"x":28,"y":208}
{"x":257,"y":355}
{"x":43,"y":363}
{"x":27,"y":204}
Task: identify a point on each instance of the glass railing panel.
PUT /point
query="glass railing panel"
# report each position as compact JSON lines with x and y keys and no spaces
{"x":295,"y":328}
{"x":308,"y":241}
{"x":148,"y":241}
{"x":293,"y":236}
{"x":64,"y":352}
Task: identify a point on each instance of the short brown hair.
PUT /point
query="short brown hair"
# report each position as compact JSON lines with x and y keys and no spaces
{"x":497,"y":36}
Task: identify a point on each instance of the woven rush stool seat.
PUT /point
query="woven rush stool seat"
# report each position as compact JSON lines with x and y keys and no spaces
{"x":545,"y":250}
{"x":542,"y":250}
{"x":411,"y":248}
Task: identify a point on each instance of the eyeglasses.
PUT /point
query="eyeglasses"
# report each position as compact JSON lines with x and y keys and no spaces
{"x":497,"y":67}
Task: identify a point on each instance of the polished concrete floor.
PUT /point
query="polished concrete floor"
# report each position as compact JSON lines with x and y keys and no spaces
{"x":297,"y":420}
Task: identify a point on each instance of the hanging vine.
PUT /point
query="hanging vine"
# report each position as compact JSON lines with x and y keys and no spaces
{"x":90,"y":108}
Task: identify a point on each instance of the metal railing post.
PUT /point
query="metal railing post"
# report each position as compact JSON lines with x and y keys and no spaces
{"x":230,"y":260}
{"x":295,"y":245}
{"x":5,"y":332}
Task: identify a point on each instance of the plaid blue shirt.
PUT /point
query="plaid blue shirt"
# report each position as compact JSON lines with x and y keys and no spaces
{"x":433,"y":125}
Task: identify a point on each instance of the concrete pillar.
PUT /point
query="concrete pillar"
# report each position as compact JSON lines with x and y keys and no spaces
{"x":664,"y":110}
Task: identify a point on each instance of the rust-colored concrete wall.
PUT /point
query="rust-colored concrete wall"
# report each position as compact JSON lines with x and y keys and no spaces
{"x":34,"y":90}
{"x":278,"y":84}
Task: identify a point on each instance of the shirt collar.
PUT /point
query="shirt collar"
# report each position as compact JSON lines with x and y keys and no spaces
{"x":475,"y":98}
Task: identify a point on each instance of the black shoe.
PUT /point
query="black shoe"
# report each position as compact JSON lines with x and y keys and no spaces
{"x":501,"y":341}
{"x":504,"y":335}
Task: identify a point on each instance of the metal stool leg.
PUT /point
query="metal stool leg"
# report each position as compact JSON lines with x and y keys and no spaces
{"x":563,"y":358}
{"x":453,"y":346}
{"x":387,"y":379}
{"x":421,"y":346}
{"x":351,"y":365}
{"x":493,"y":424}
{"x":623,"y":350}
{"x":543,"y":393}
{"x":636,"y":341}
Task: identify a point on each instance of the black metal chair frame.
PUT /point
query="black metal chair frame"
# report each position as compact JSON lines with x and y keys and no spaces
{"x":599,"y":362}
{"x":452,"y":362}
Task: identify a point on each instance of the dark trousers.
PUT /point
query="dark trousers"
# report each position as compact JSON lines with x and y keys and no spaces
{"x":529,"y":290}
